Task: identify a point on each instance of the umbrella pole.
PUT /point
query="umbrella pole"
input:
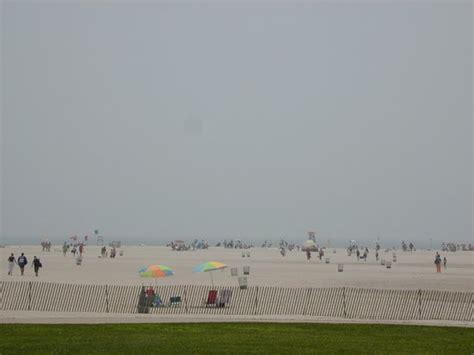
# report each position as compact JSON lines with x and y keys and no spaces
{"x":212,"y":281}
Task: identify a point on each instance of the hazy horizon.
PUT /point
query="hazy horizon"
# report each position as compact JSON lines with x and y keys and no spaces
{"x":254,"y":120}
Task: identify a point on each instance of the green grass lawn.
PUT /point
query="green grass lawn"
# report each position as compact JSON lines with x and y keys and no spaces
{"x":222,"y":338}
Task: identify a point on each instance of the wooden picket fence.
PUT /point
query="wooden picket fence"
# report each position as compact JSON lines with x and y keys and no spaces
{"x":342,"y":302}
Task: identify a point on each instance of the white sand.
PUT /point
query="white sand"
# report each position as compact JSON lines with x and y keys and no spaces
{"x":267,"y":268}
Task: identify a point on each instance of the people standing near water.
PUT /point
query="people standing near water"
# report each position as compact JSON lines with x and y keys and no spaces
{"x":36,"y":264}
{"x":11,"y":264}
{"x":22,"y":261}
{"x":358,"y":253}
{"x":65,"y":248}
{"x":437,"y":262}
{"x":376,"y":256}
{"x":445,"y":261}
{"x":308,"y":254}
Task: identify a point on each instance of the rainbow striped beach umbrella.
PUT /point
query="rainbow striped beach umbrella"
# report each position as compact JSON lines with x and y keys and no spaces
{"x":155,"y":271}
{"x":209,"y":266}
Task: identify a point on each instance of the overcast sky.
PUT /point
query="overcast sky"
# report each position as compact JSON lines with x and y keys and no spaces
{"x":154,"y":121}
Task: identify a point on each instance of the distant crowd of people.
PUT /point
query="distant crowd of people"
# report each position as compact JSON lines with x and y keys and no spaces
{"x":103,"y":252}
{"x":46,"y":245}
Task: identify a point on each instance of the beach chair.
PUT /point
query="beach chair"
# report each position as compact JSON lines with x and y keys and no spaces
{"x":246,"y":270}
{"x":175,"y":301}
{"x":211,"y":298}
{"x":243,"y":283}
{"x":224,"y":298}
{"x":233,"y":271}
{"x":156,"y":302}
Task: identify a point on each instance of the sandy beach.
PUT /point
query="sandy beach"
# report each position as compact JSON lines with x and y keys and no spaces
{"x":267,"y":268}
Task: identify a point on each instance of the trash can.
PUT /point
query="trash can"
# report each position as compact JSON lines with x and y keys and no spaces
{"x":340,"y":267}
{"x":382,"y":262}
{"x":243,"y":283}
{"x":326,"y":260}
{"x":388,"y":265}
{"x":233,"y":271}
{"x":246,"y":270}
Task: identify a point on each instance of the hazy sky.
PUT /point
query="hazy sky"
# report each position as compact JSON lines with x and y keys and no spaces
{"x":157,"y":120}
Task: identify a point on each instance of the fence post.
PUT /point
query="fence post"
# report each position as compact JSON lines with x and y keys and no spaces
{"x":419,"y":303}
{"x":106,"y":299}
{"x":29,"y":295}
{"x":344,"y":301}
{"x":185,"y":300}
{"x":256,"y":300}
{"x":308,"y":293}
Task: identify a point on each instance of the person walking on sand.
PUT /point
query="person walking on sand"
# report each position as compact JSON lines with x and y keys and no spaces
{"x":11,"y":264}
{"x":445,"y":261}
{"x":22,"y":261}
{"x":438,"y":263}
{"x":308,"y":254}
{"x":36,"y":264}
